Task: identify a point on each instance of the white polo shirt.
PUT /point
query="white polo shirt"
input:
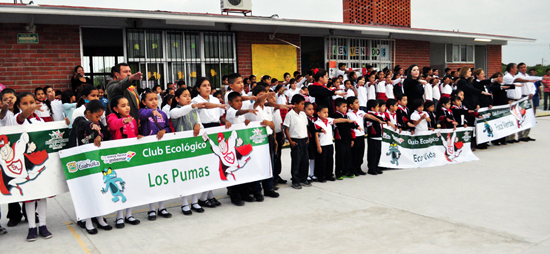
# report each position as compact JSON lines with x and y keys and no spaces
{"x":428,"y":92}
{"x":389,"y":91}
{"x":381,"y":87}
{"x":232,"y":117}
{"x":371,"y":91}
{"x":436,"y":94}
{"x":210,"y":115}
{"x":446,"y":88}
{"x":281,"y":99}
{"x":423,"y":125}
{"x":362,"y":95}
{"x":278,"y":121}
{"x":359,"y":118}
{"x":296,"y":124}
{"x":265,"y":113}
{"x":325,"y":139}
{"x":529,"y":87}
{"x":516,"y":93}
{"x":243,"y":93}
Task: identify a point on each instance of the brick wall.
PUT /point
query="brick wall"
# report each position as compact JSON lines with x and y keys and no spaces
{"x":408,"y":52}
{"x":24,"y":67}
{"x":494,"y":59}
{"x":244,"y":50}
{"x":384,"y":12}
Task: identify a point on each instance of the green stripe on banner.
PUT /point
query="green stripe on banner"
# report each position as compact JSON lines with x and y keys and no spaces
{"x":502,"y":111}
{"x":50,"y":140}
{"x":421,"y":141}
{"x":92,"y":162}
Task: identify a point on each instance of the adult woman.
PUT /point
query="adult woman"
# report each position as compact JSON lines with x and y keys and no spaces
{"x":78,"y":80}
{"x":482,"y":84}
{"x":471,"y":94}
{"x":413,"y":85}
{"x":500,"y":97}
{"x":319,"y":90}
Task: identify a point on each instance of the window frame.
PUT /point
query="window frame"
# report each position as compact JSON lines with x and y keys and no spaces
{"x":454,"y":53}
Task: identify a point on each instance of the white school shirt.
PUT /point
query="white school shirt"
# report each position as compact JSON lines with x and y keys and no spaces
{"x":58,"y":112}
{"x":389,"y":91}
{"x":350,"y":93}
{"x":290,"y":93}
{"x":278,"y":121}
{"x":371,"y":92}
{"x":45,"y":111}
{"x":166,"y":110}
{"x":80,"y":112}
{"x":446,"y":88}
{"x":32,"y":120}
{"x":265,"y":113}
{"x":381,"y":87}
{"x":391,"y":117}
{"x":516,"y":93}
{"x":232,"y":117}
{"x":359,"y":118}
{"x":529,"y":87}
{"x":243,"y":93}
{"x":436,"y":94}
{"x":281,"y":99}
{"x":209,"y":115}
{"x":325,"y":139}
{"x":362,"y":95}
{"x":423,"y":125}
{"x":428,"y":92}
{"x":343,"y":73}
{"x":296,"y":124}
{"x":8,"y":119}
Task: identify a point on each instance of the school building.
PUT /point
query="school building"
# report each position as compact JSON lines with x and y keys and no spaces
{"x":41,"y":45}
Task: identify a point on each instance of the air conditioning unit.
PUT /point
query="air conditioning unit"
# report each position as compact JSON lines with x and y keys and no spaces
{"x":236,"y":5}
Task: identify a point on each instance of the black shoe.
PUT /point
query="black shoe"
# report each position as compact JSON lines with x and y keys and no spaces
{"x":121,"y":224}
{"x":496,"y":143}
{"x":322,"y":180}
{"x":152,"y":215}
{"x":248,"y":198}
{"x":272,"y":194}
{"x":332,"y":179}
{"x":215,"y":202}
{"x":33,"y":235}
{"x":132,"y":222}
{"x":281,"y":181}
{"x":237,"y":202}
{"x":198,"y":210}
{"x":372,"y":173}
{"x":511,"y":141}
{"x":379,"y":172}
{"x":503,"y":143}
{"x":523,"y":140}
{"x":306,"y":184}
{"x":164,"y":213}
{"x":43,"y":231}
{"x":188,"y":212}
{"x":81,"y":224}
{"x":13,"y":223}
{"x":259,"y":197}
{"x":296,"y":186}
{"x":206,"y":203}
{"x":516,"y":141}
{"x":106,"y":228}
{"x":361,"y":172}
{"x":531,"y":139}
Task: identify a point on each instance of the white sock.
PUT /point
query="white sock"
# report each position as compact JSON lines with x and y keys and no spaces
{"x":119,"y":214}
{"x":30,"y":209}
{"x":184,"y":201}
{"x":89,"y":224}
{"x":42,"y":207}
{"x":186,"y":207}
{"x":161,"y":205}
{"x":195,"y":198}
{"x":101,"y":221}
{"x":128,"y":212}
{"x":311,"y":167}
{"x":151,"y":207}
{"x":204,"y":196}
{"x":210,"y":195}
{"x":196,"y":206}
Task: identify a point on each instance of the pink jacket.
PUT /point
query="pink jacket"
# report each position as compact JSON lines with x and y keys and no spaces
{"x":117,"y":127}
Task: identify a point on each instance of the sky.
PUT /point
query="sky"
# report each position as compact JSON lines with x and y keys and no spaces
{"x":501,"y":17}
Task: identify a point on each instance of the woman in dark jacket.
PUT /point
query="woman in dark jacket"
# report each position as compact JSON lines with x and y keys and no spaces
{"x":413,"y":86}
{"x":500,"y":97}
{"x":480,"y":83}
{"x":319,"y":90}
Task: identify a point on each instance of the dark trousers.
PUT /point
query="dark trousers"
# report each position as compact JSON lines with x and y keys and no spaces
{"x":343,"y":157}
{"x":236,"y":192}
{"x":374,"y":151}
{"x":14,"y":211}
{"x":546,"y":99}
{"x":277,"y":165}
{"x":300,"y":160}
{"x":267,"y":184}
{"x":324,"y":163}
{"x":357,"y":154}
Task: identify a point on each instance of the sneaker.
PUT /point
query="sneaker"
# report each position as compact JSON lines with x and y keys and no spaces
{"x":349,"y":176}
{"x":197,"y":208}
{"x":271,"y":193}
{"x":132,"y":220}
{"x":3,"y":231}
{"x":296,"y":186}
{"x":215,"y":202}
{"x":119,"y":223}
{"x":151,"y":215}
{"x":43,"y":231}
{"x":306,"y":184}
{"x":206,"y":203}
{"x":340,"y":178}
{"x":33,"y":235}
{"x":259,"y":197}
{"x":186,"y":211}
{"x":164,"y":213}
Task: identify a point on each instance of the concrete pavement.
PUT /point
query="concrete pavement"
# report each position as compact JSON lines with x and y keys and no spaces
{"x":499,"y":204}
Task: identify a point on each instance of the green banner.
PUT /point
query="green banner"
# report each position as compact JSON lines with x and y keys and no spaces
{"x":422,"y":141}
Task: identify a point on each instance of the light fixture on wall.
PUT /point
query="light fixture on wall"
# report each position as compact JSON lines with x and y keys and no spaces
{"x":482,"y":40}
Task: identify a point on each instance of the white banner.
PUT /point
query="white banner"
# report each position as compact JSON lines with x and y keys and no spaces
{"x":502,"y":121}
{"x":29,"y":162}
{"x":426,"y":149}
{"x":131,"y":172}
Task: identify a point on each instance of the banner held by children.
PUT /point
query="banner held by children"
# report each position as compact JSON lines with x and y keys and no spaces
{"x":502,"y":121}
{"x":131,"y":172}
{"x":426,"y":149}
{"x":29,"y":161}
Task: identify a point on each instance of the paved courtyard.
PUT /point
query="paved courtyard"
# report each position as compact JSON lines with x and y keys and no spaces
{"x":499,"y":204}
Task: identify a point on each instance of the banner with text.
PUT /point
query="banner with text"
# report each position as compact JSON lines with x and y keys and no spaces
{"x":426,"y":149}
{"x":131,"y":172}
{"x":29,"y":161}
{"x":502,"y":121}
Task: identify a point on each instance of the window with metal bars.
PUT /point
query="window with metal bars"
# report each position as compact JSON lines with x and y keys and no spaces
{"x":166,"y":56}
{"x":357,"y":53}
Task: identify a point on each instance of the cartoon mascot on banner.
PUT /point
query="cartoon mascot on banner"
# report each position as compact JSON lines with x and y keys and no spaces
{"x":519,"y":113}
{"x":19,"y":163}
{"x":233,"y":154}
{"x":453,"y":148}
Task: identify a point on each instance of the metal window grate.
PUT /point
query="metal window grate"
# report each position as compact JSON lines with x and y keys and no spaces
{"x":357,"y":53}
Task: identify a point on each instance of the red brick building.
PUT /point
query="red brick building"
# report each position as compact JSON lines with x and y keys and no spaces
{"x":167,"y":46}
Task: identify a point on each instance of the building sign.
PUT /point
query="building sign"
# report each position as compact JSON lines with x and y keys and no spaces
{"x":27,"y":38}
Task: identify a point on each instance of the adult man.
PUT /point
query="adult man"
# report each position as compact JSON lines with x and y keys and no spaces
{"x":122,"y":85}
{"x":528,"y":90}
